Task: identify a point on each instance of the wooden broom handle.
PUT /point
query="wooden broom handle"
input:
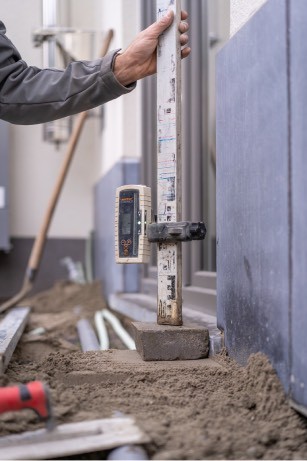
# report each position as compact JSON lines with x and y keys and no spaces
{"x":38,"y":246}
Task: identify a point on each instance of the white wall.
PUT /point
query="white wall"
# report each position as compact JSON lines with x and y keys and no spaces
{"x":241,"y":11}
{"x":34,"y":164}
{"x":122,"y":117}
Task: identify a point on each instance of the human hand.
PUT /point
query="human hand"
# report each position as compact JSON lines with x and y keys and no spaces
{"x":139,"y":60}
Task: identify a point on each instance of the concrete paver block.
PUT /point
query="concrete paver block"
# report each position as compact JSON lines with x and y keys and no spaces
{"x":165,"y":342}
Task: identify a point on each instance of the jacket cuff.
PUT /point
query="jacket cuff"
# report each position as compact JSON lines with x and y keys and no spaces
{"x":108,"y":76}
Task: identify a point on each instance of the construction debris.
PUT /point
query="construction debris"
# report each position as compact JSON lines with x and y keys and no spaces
{"x":11,"y":329}
{"x":192,"y":409}
{"x":72,"y":439}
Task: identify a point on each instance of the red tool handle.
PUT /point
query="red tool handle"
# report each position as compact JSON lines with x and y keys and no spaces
{"x":33,"y":395}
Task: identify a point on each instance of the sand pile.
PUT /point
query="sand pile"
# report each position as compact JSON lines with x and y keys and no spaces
{"x":223,"y":412}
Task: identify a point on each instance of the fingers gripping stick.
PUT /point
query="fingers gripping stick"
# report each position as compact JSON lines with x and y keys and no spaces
{"x":34,"y":395}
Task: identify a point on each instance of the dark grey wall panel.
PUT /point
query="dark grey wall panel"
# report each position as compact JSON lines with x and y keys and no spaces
{"x":4,"y":182}
{"x":13,"y":264}
{"x":4,"y":227}
{"x":115,"y":277}
{"x":252,"y":189}
{"x":298,"y":79}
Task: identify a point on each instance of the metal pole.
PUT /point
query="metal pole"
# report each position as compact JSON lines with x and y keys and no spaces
{"x":49,"y":20}
{"x":169,"y":165}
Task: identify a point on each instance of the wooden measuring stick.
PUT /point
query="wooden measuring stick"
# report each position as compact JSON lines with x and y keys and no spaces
{"x":169,"y":164}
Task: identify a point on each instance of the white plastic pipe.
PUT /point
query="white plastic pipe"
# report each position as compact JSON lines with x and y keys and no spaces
{"x":119,"y":329}
{"x":102,"y":331}
{"x":37,"y":331}
{"x":87,"y":336}
{"x":131,"y":452}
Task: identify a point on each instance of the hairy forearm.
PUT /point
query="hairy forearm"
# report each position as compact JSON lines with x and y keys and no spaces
{"x":123,"y":70}
{"x":127,"y":69}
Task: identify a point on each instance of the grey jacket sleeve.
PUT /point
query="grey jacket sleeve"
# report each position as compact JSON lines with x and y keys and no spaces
{"x":31,"y":95}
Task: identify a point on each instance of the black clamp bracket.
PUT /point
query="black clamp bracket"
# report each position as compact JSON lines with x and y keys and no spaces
{"x":172,"y":232}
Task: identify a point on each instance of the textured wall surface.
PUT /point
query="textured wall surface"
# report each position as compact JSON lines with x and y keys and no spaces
{"x":241,"y":11}
{"x":261,"y":192}
{"x":298,"y":211}
{"x":252,"y":189}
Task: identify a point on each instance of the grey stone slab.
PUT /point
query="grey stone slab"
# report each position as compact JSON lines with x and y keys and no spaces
{"x":143,"y":308}
{"x":253,"y":189}
{"x":298,"y":307}
{"x":164,"y":342}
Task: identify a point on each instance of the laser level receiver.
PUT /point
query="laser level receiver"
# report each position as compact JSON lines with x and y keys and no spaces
{"x":132,"y":216}
{"x":134,"y":230}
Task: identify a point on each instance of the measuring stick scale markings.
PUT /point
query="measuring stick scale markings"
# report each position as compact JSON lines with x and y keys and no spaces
{"x":169,"y":164}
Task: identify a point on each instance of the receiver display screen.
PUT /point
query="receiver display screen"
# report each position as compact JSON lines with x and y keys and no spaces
{"x":128,"y":237}
{"x":126,"y":224}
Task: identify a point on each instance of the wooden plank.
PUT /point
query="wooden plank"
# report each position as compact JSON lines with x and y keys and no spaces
{"x":11,"y":329}
{"x":72,"y":439}
{"x":169,"y":164}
